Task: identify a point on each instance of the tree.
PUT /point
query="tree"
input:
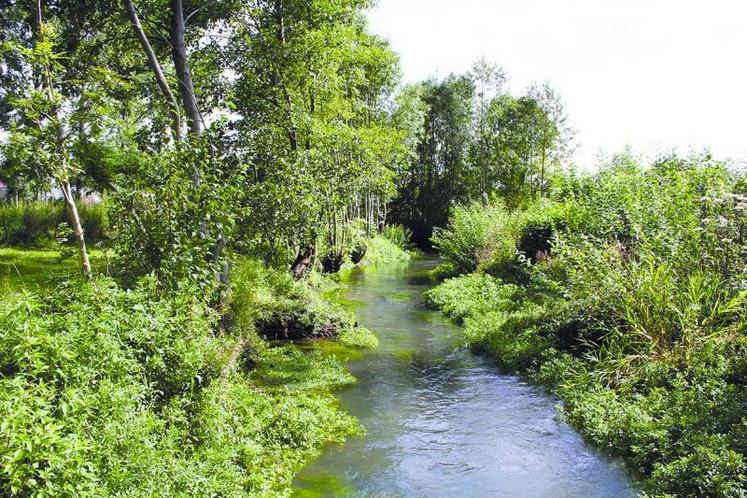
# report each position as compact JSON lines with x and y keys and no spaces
{"x":490,"y":82}
{"x":514,"y":148}
{"x":52,"y":105}
{"x":440,"y":173}
{"x":555,"y":133}
{"x":312,"y":93}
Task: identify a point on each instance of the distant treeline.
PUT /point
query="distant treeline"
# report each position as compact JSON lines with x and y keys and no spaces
{"x":478,"y":140}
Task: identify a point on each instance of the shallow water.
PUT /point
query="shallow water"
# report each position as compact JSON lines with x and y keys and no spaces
{"x":442,"y":421}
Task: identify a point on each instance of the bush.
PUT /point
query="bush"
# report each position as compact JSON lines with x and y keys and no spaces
{"x":398,"y":235}
{"x":473,"y":295}
{"x":508,"y":337}
{"x":381,"y":250}
{"x":85,"y":364}
{"x":707,"y":470}
{"x":477,"y":234}
{"x":539,"y":226}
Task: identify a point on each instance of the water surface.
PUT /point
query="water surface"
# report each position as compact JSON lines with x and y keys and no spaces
{"x":443,"y":422}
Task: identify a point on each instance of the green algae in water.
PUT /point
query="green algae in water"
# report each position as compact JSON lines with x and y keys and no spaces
{"x":400,"y":296}
{"x":320,"y":486}
{"x":348,"y":304}
{"x":339,"y":351}
{"x":407,"y":354}
{"x":296,"y":369}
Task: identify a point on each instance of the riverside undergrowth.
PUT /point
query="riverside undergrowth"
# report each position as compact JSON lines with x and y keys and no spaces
{"x":624,"y":293}
{"x":106,"y":391}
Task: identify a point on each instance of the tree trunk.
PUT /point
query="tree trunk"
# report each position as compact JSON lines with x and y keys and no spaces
{"x":67,"y":193}
{"x":72,"y":211}
{"x":183,"y":72}
{"x":155,"y":66}
{"x":542,"y":174}
{"x":303,"y":262}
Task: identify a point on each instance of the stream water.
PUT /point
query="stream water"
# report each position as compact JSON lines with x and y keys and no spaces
{"x":441,"y":421}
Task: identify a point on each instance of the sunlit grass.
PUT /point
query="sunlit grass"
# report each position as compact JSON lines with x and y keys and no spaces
{"x":38,"y":269}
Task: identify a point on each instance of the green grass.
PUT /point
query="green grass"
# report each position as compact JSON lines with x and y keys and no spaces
{"x":40,"y":269}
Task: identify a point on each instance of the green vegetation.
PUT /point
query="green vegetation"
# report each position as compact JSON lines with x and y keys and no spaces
{"x":39,"y":269}
{"x":477,"y":141}
{"x":44,"y":223}
{"x":624,"y":294}
{"x":383,"y":250}
{"x":246,"y":153}
{"x":107,"y":392}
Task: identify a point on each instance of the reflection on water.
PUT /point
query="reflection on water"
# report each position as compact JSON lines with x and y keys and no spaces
{"x":443,"y":422}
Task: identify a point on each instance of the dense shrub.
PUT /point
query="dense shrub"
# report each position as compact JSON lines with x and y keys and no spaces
{"x":398,"y":235}
{"x":539,"y":227}
{"x":383,"y":250}
{"x":91,"y":362}
{"x":473,"y":294}
{"x":35,"y":223}
{"x":476,"y":234}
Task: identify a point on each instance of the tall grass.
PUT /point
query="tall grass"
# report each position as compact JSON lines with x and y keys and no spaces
{"x":35,"y":223}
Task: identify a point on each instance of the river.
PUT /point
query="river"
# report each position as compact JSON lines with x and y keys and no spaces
{"x":443,"y":422}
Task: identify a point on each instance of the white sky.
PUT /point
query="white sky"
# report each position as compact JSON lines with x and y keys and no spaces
{"x":656,"y":74}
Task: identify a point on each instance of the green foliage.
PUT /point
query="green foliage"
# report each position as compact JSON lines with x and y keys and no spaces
{"x":632,"y":309}
{"x":479,"y":141}
{"x":477,"y":234}
{"x":357,"y":337}
{"x":322,"y":141}
{"x":34,"y":223}
{"x":399,"y":235}
{"x":100,"y":355}
{"x":497,"y":317}
{"x":436,"y":176}
{"x":109,"y":392}
{"x":178,"y":219}
{"x":539,"y":226}
{"x":472,"y":295}
{"x":382,"y":250}
{"x":296,"y":369}
{"x":270,"y":301}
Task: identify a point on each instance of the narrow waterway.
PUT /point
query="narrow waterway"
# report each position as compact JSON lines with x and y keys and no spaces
{"x":442,"y":421}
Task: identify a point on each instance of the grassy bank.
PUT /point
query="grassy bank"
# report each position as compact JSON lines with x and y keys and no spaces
{"x":624,"y":294}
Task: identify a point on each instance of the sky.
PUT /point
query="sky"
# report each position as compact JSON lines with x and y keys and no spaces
{"x":658,"y":75}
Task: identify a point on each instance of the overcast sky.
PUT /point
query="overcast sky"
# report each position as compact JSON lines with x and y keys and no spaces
{"x":655,"y":74}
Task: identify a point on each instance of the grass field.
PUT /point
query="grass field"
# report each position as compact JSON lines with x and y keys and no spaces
{"x":36,"y":269}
